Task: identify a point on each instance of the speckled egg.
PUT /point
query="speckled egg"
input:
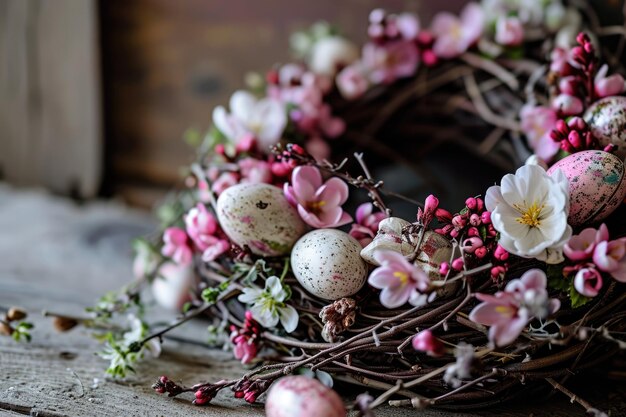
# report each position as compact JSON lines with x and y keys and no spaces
{"x":435,"y":248}
{"x":607,"y":120}
{"x":597,"y":185}
{"x":301,"y":396}
{"x":327,"y":263}
{"x":260,"y":217}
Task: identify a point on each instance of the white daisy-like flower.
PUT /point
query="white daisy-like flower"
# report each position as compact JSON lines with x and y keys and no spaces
{"x":268,"y":306}
{"x":265,"y":119}
{"x":529,"y":210}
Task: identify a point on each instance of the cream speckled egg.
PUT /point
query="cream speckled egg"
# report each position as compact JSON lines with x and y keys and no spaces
{"x":300,"y":396}
{"x":597,"y":185}
{"x":607,"y":121}
{"x":328,"y":264}
{"x":260,"y":217}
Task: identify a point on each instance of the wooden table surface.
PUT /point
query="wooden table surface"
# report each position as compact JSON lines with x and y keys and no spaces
{"x":55,"y":255}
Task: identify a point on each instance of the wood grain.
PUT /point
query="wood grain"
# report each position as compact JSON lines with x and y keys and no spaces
{"x":50,"y":123}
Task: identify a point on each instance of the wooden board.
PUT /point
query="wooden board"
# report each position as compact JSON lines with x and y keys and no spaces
{"x":50,"y":123}
{"x":58,"y":256}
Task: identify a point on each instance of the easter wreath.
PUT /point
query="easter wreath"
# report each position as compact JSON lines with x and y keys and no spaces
{"x":514,"y":292}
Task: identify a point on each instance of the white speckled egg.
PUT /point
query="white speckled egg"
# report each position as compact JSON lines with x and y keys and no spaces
{"x":301,"y":396}
{"x":260,"y":217}
{"x":328,"y":264}
{"x":597,"y":185}
{"x":173,"y":285}
{"x":607,"y":121}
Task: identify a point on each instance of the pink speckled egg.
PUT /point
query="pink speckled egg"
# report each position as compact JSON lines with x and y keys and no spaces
{"x":597,"y":185}
{"x":301,"y":396}
{"x":607,"y":121}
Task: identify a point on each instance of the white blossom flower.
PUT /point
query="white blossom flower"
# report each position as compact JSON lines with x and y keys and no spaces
{"x":530,"y":211}
{"x":264,"y":119}
{"x":268,"y":306}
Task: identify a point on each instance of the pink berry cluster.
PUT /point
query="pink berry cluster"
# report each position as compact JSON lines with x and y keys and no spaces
{"x":579,"y":78}
{"x":246,"y":340}
{"x":250,"y":390}
{"x":385,"y":28}
{"x":575,"y":136}
{"x":478,"y":237}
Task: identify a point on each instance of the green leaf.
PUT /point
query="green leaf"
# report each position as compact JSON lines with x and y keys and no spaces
{"x":210,"y":295}
{"x":577,"y":299}
{"x":556,"y":278}
{"x":186,"y":307}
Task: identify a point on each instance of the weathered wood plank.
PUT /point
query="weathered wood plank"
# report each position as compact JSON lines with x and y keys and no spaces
{"x":50,"y":123}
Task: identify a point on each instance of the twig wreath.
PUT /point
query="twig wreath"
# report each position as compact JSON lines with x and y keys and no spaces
{"x":454,"y":308}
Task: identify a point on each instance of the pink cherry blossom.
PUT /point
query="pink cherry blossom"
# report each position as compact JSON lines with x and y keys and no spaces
{"x":202,"y":228}
{"x":319,"y":203}
{"x":581,"y":246}
{"x":611,"y":257}
{"x":352,"y":81}
{"x":537,"y":122}
{"x":366,"y":226}
{"x":509,"y":31}
{"x":177,"y":246}
{"x":390,"y":61}
{"x":264,"y":118}
{"x":425,"y":341}
{"x":455,"y":35}
{"x":588,"y":282}
{"x":255,"y":171}
{"x":399,"y":280}
{"x":608,"y":86}
{"x":225,"y":180}
{"x":509,"y":311}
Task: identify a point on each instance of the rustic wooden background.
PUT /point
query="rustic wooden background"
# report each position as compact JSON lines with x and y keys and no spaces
{"x":167,"y":64}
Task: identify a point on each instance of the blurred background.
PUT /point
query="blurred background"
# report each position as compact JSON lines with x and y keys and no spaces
{"x":95,"y":95}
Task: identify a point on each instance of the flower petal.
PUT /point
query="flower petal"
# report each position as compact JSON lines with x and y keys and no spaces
{"x":289,"y":318}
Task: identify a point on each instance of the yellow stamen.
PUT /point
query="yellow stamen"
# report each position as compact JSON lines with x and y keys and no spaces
{"x":504,"y":310}
{"x":404,"y":277}
{"x":530,"y":215}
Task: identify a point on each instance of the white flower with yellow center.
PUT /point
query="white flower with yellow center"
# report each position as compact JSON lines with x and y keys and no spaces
{"x":529,"y":210}
{"x":268,"y":305}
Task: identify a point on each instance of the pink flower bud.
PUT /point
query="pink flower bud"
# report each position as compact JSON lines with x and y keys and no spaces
{"x":567,"y":105}
{"x":569,"y":85}
{"x":471,"y":203}
{"x":608,"y":86}
{"x":430,"y":209}
{"x":454,"y":233}
{"x":500,"y":253}
{"x":472,"y":244}
{"x":472,"y":231}
{"x":577,"y":123}
{"x":485,"y":217}
{"x":610,"y":148}
{"x":562,"y":127}
{"x":588,"y":282}
{"x":574,"y":139}
{"x":443,"y":215}
{"x":480,"y":204}
{"x":458,"y":222}
{"x":457,"y":264}
{"x":475,"y":220}
{"x":481,"y":252}
{"x":220,"y":149}
{"x":425,"y":341}
{"x":444,"y":268}
{"x":429,"y":58}
{"x":497,"y":271}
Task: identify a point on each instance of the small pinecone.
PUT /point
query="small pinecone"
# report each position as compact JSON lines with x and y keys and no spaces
{"x":337,"y":317}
